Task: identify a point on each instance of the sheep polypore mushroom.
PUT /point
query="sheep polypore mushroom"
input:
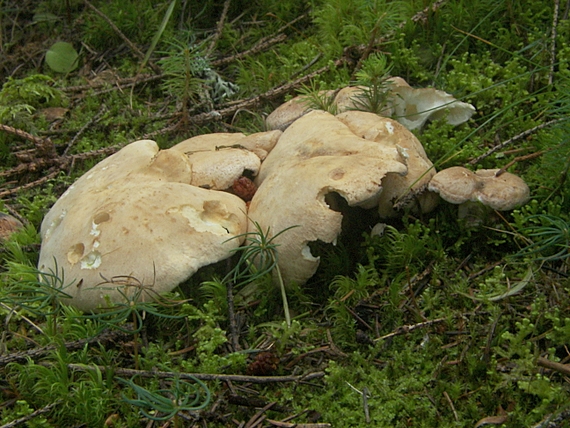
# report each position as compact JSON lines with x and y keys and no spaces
{"x":413,"y":107}
{"x":501,"y":192}
{"x":398,"y":190}
{"x":133,"y":227}
{"x":317,"y":156}
{"x":219,"y":160}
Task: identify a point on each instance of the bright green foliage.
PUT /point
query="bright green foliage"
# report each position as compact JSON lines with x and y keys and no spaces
{"x":165,"y":404}
{"x":19,"y":99}
{"x":83,"y":396}
{"x":440,"y":322}
{"x":343,"y":23}
{"x":373,"y":77}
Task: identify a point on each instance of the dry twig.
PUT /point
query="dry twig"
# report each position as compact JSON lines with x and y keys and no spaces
{"x":219,"y":28}
{"x":514,"y":139}
{"x":553,"y":41}
{"x":107,"y":336}
{"x":204,"y":376}
{"x":116,"y":29}
{"x":404,"y":329}
{"x":552,"y":365}
{"x":32,"y":415}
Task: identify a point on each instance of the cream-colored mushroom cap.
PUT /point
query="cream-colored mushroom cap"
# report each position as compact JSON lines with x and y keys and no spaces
{"x":316,"y":156}
{"x":455,"y":185}
{"x":413,"y":107}
{"x":132,"y":227}
{"x":501,"y":192}
{"x":219,"y":159}
{"x":259,"y":143}
{"x":287,"y":113}
{"x":397,"y":189}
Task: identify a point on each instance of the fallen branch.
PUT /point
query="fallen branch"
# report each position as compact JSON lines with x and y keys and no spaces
{"x":219,"y":28}
{"x":553,"y":41}
{"x":130,"y":44}
{"x":514,"y":139}
{"x":105,"y":337}
{"x":32,"y":415}
{"x":292,"y":425}
{"x":201,"y":376}
{"x":552,"y":365}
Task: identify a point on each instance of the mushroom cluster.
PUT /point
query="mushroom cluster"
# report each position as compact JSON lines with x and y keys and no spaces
{"x":144,"y":220}
{"x":412,"y":107}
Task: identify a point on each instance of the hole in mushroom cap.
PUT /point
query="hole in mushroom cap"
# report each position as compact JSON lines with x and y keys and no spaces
{"x":334,"y":260}
{"x":355,"y":219}
{"x":92,"y":260}
{"x":101,"y":218}
{"x":75,"y":253}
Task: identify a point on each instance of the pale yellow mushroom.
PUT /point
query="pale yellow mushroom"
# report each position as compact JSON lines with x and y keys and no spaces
{"x":133,"y":227}
{"x":317,"y":160}
{"x":398,"y":190}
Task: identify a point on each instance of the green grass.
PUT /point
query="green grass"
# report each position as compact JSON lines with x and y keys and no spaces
{"x":440,"y":323}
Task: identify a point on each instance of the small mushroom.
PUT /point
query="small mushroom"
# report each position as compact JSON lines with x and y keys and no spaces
{"x":317,"y":161}
{"x":287,"y":113}
{"x":134,"y":227}
{"x":501,"y":192}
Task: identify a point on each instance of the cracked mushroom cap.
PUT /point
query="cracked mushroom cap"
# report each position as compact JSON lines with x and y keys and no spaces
{"x":218,"y":160}
{"x":398,"y":190}
{"x":458,"y":185}
{"x":316,"y":157}
{"x":133,"y":227}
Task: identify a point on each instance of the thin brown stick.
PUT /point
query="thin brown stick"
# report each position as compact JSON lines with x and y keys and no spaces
{"x":260,"y":46}
{"x":60,"y":163}
{"x":282,"y":424}
{"x":32,"y":415}
{"x":79,"y":133}
{"x":552,"y":365}
{"x":234,"y":333}
{"x":219,"y":28}
{"x":409,"y":328}
{"x":119,"y":83}
{"x":203,"y":376}
{"x":106,"y":336}
{"x":519,"y":159}
{"x":258,"y":417}
{"x":448,"y":398}
{"x":35,"y":183}
{"x":514,"y":139}
{"x":43,"y":145}
{"x":116,"y":29}
{"x":555,"y":14}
